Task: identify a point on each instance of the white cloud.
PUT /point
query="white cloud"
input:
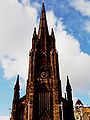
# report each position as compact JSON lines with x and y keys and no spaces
{"x":25,"y":2}
{"x":4,"y":118}
{"x":81,"y":5}
{"x":52,"y":20}
{"x":74,"y":63}
{"x":87,"y":26}
{"x":16,"y":26}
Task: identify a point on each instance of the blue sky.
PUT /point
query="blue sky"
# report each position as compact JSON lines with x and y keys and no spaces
{"x":71,"y":22}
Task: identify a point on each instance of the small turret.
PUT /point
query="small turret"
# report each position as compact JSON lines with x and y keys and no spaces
{"x":15,"y":100}
{"x":69,"y":90}
{"x":70,"y":113}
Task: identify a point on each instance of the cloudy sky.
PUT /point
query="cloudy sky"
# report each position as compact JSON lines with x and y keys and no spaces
{"x":71,"y":22}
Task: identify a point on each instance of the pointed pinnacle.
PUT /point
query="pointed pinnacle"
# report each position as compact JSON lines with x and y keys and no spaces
{"x":68,"y":81}
{"x":65,"y":96}
{"x":17,"y":79}
{"x":17,"y":82}
{"x":52,"y":32}
{"x":43,"y":7}
{"x":17,"y":76}
{"x":34,"y":33}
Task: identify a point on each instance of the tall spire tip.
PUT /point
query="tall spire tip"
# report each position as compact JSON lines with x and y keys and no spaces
{"x":43,"y":7}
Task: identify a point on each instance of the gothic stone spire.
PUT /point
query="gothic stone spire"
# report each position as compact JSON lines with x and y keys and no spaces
{"x":43,"y":22}
{"x":43,"y":33}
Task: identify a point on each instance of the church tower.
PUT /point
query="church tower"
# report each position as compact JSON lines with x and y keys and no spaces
{"x":43,"y":85}
{"x":43,"y":99}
